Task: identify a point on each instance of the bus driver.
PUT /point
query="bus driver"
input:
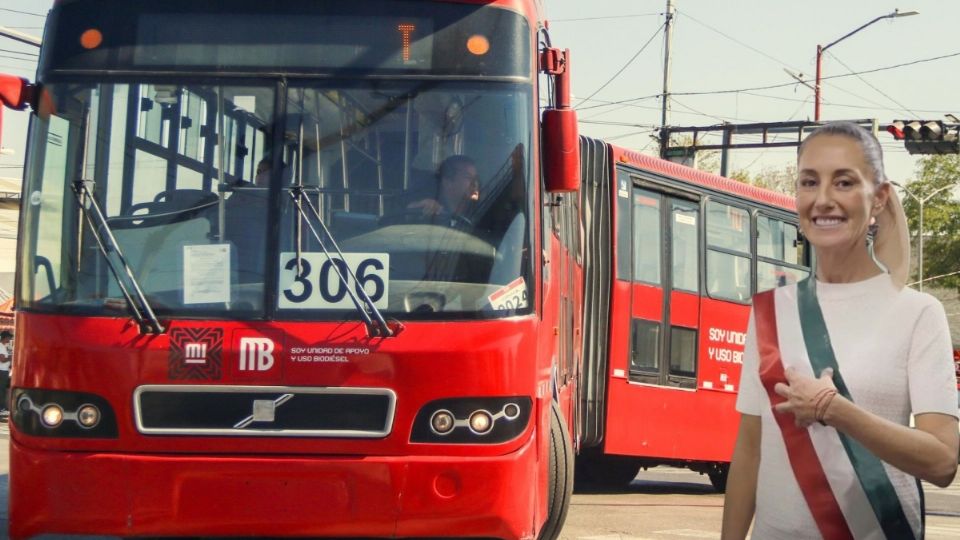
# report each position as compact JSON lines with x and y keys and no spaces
{"x":458,"y":191}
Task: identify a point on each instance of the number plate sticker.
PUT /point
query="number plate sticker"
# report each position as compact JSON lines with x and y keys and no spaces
{"x":317,"y":285}
{"x":511,"y":296}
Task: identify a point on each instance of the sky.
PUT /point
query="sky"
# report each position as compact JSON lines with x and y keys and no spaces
{"x":717,"y":46}
{"x":727,"y":45}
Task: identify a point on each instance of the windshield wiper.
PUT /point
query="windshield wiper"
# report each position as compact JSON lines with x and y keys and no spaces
{"x":142,"y":312}
{"x":376,"y":325}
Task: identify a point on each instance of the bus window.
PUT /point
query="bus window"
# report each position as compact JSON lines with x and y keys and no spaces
{"x":167,"y":164}
{"x":645,"y":356}
{"x":647,"y":237}
{"x":728,"y":252}
{"x":686,"y":249}
{"x":779,"y":253}
{"x":683,"y":351}
{"x":376,"y":161}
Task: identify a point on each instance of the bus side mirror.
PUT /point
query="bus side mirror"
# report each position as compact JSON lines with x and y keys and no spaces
{"x":561,"y":150}
{"x":559,"y":134}
{"x":15,"y":93}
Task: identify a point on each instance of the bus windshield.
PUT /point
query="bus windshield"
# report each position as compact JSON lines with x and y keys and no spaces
{"x":229,"y":199}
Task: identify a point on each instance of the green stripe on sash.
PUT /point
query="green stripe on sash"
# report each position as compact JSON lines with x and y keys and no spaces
{"x":880,"y":492}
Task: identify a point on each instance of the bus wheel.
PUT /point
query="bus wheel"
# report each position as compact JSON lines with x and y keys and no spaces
{"x":607,"y":471}
{"x":560,"y":477}
{"x":718,"y":476}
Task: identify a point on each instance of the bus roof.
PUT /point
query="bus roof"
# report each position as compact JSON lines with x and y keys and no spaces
{"x":532,"y":9}
{"x":702,"y":178}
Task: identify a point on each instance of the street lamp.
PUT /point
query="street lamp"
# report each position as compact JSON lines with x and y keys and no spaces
{"x":921,"y":202}
{"x":820,"y":50}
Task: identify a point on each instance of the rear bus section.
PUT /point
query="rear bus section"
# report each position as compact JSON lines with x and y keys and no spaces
{"x":685,"y":251}
{"x":248,"y":306}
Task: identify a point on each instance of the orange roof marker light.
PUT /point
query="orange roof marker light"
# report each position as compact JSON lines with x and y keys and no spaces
{"x":478,"y":45}
{"x":91,"y":38}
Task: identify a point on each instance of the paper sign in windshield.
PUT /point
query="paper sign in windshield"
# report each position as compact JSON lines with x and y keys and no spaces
{"x":206,"y":274}
{"x":511,"y":296}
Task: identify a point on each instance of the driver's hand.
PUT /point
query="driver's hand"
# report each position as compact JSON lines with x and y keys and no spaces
{"x":428,"y":207}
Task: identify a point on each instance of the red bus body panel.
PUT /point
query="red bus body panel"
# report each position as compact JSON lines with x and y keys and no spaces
{"x":204,"y":494}
{"x":164,"y":485}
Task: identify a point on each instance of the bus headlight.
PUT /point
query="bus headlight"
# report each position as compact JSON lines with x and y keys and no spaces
{"x":481,"y":422}
{"x":442,"y":422}
{"x":52,"y":415}
{"x":473,"y":420}
{"x":88,"y":416}
{"x":60,"y":413}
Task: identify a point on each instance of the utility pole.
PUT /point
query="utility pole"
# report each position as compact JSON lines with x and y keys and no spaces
{"x":665,"y":114}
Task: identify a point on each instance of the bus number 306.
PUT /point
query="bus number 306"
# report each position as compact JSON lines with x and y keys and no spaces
{"x":317,"y":285}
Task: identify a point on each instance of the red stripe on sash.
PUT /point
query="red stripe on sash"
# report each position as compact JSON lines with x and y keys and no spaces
{"x":803,"y":456}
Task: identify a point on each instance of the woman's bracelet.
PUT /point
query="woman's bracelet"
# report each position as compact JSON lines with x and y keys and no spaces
{"x":820,"y":410}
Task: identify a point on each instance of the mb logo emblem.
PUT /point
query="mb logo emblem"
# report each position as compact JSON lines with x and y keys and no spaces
{"x":256,"y":354}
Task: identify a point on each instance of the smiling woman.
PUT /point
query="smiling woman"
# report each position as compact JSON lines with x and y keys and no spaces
{"x":835,"y":365}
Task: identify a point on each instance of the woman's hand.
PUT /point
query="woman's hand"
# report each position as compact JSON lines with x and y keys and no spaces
{"x":806,"y":398}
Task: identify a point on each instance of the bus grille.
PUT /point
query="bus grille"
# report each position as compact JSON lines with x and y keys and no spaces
{"x":264,"y":411}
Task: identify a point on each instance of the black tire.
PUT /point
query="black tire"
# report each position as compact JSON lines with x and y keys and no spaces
{"x":718,"y":476}
{"x":560,"y":476}
{"x":615,"y":472}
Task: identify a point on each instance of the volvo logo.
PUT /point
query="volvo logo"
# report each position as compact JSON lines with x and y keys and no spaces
{"x":264,"y":410}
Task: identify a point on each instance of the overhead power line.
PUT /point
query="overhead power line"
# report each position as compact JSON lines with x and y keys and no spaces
{"x":22,"y":12}
{"x":614,"y":123}
{"x":691,"y":109}
{"x":848,"y":105}
{"x":628,"y":134}
{"x":781,"y":85}
{"x":611,"y":103}
{"x":625,"y":66}
{"x":32,"y":60}
{"x":881,"y":92}
{"x":735,"y":40}
{"x":840,"y":76}
{"x":19,"y":52}
{"x":635,"y":15}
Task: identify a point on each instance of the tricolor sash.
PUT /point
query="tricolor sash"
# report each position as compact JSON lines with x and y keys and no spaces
{"x":801,"y":451}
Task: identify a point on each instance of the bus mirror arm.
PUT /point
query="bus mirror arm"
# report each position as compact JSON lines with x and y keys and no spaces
{"x":560,"y":137}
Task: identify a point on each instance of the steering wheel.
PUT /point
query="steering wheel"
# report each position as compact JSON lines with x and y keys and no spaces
{"x":441,"y":218}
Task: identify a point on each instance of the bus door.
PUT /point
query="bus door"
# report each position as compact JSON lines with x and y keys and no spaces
{"x":665,"y":296}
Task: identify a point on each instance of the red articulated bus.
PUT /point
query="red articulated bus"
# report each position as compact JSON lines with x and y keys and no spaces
{"x":666,"y":309}
{"x":956,"y":363}
{"x":327,"y":269}
{"x":246,"y":306}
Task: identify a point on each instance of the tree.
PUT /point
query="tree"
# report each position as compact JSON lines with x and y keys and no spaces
{"x":706,"y":160}
{"x":783,"y":180}
{"x":941,"y":219}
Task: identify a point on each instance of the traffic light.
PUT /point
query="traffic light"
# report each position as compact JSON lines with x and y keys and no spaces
{"x":926,"y":136}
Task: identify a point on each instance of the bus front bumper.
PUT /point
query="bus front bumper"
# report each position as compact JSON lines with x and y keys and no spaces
{"x":123,"y":495}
